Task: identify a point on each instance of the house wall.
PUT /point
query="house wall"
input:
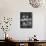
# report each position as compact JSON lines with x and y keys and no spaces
{"x":12,"y":8}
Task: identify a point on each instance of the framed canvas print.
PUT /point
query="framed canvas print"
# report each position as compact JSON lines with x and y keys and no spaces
{"x":25,"y":19}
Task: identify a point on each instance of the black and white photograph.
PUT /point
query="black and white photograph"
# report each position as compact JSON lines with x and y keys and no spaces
{"x":25,"y":19}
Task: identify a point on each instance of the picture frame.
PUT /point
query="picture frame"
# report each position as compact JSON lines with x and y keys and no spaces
{"x":25,"y":19}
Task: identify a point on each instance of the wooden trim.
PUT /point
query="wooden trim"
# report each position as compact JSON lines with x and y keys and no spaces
{"x":2,"y":40}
